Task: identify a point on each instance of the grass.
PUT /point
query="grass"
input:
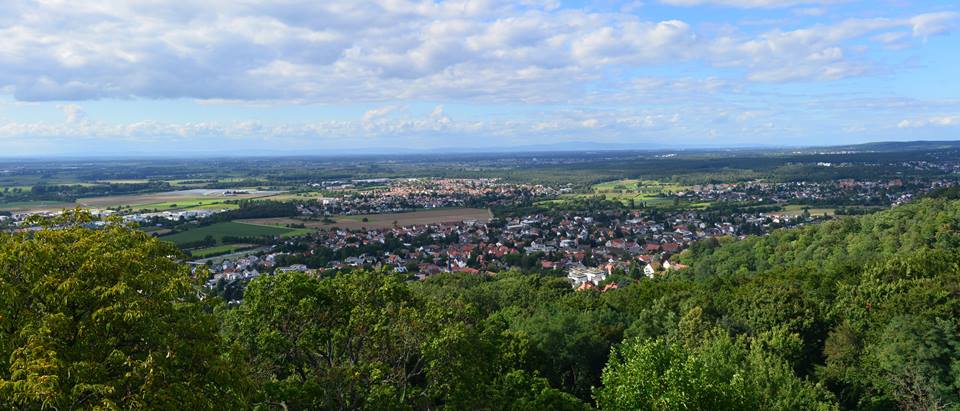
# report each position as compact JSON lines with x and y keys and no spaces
{"x":214,"y":206}
{"x":188,"y":204}
{"x":35,"y":205}
{"x":649,"y":192}
{"x":638,"y":187}
{"x":220,"y":230}
{"x":161,"y":201}
{"x":220,"y":249}
{"x":295,"y":196}
{"x":384,"y":221}
{"x":701,"y":205}
{"x":296,"y":232}
{"x":166,"y":201}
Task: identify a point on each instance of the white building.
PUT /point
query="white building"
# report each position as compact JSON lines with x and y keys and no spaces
{"x":580,"y":275}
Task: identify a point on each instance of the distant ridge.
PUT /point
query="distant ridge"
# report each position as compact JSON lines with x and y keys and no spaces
{"x":902,"y":146}
{"x":559,"y":147}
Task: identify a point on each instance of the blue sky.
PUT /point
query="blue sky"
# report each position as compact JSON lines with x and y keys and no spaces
{"x":307,"y":77}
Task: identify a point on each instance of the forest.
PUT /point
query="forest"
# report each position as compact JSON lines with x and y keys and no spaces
{"x":860,"y":313}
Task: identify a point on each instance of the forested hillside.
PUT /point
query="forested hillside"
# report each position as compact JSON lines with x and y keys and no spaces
{"x":858,"y":313}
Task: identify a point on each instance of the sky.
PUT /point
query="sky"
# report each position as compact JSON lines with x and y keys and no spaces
{"x":257,"y":77}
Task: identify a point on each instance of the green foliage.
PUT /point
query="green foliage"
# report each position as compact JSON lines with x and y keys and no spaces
{"x":873,"y":301}
{"x":353,"y":341}
{"x":369,"y":340}
{"x":927,"y":224}
{"x":720,"y":373}
{"x":519,"y":391}
{"x":105,"y":319}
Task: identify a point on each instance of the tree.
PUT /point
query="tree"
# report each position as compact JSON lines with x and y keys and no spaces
{"x":568,"y":347}
{"x":720,"y":374}
{"x":917,"y":362}
{"x":105,"y":319}
{"x":520,"y":391}
{"x":349,"y":342}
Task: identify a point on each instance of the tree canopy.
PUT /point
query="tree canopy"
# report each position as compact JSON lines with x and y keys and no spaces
{"x":105,"y":318}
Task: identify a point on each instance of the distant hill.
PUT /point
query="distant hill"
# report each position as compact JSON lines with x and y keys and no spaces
{"x":893,"y":146}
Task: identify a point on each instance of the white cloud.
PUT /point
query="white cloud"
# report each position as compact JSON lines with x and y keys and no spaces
{"x":388,"y":50}
{"x":937,"y":121}
{"x":736,"y":116}
{"x":926,"y":25}
{"x":747,"y":3}
{"x":819,"y":52}
{"x":72,"y":112}
{"x":376,"y":113}
{"x":810,"y":11}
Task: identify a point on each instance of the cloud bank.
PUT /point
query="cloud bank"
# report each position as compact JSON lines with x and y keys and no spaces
{"x":462,"y":50}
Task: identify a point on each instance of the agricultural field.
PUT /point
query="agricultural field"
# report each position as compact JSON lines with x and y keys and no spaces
{"x":220,"y":250}
{"x":307,"y":195}
{"x":642,"y":192}
{"x":35,"y":205}
{"x":184,"y":196}
{"x":238,"y":229}
{"x":382,"y":221}
{"x":638,"y":186}
{"x":166,"y":201}
{"x":193,"y":204}
{"x":155,"y":231}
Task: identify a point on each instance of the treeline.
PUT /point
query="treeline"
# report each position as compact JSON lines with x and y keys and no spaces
{"x":255,"y":209}
{"x":69,"y":193}
{"x":725,"y":208}
{"x":207,"y":241}
{"x":857,"y":313}
{"x":233,"y":239}
{"x":248,"y":182}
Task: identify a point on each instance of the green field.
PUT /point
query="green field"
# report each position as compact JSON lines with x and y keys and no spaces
{"x":649,"y":192}
{"x":32,"y":205}
{"x":187,"y":204}
{"x":295,"y":196}
{"x":220,"y":230}
{"x":638,"y":187}
{"x":220,"y":249}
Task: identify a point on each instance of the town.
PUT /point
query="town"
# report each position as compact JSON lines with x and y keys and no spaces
{"x":591,"y":243}
{"x":597,"y":236}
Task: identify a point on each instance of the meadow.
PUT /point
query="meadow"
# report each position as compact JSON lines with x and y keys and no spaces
{"x":220,"y":250}
{"x":166,"y":201}
{"x":35,"y":205}
{"x":191,"y":204}
{"x":649,"y":193}
{"x":236,"y":229}
{"x":381,"y":221}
